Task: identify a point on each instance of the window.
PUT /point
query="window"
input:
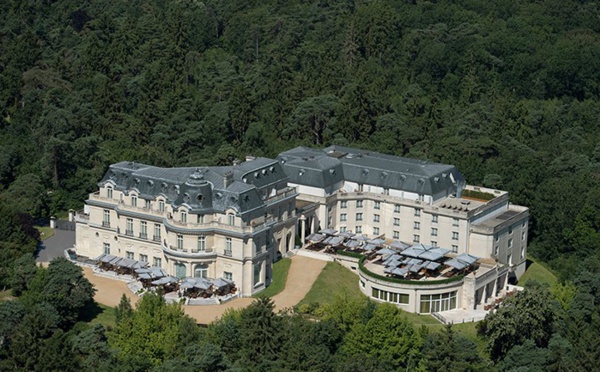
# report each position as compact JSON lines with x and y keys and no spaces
{"x":359,"y":229}
{"x":416,"y":238}
{"x":257,"y":245}
{"x":201,"y":243}
{"x":134,"y":200}
{"x":231,"y":219}
{"x":496,"y":250}
{"x":180,"y":270}
{"x":362,"y":284}
{"x":106,"y":248}
{"x":179,"y":241}
{"x":200,"y":218}
{"x":397,"y":208}
{"x":109,"y":192}
{"x":454,"y":248}
{"x":417,"y":212}
{"x":522,"y":252}
{"x":377,"y":205}
{"x":129,"y":227}
{"x":376,"y":218}
{"x":510,"y":243}
{"x":359,"y":216}
{"x":509,"y":259}
{"x":496,"y":237}
{"x":417,"y":225}
{"x":398,"y":298}
{"x":227,"y":275}
{"x":396,"y":221}
{"x":157,"y":262}
{"x":437,"y":302}
{"x":376,"y":231}
{"x":396,"y":235}
{"x":106,"y":218}
{"x":454,"y":235}
{"x":156,"y":236}
{"x":183,"y":216}
{"x":386,"y":191}
{"x":228,"y":244}
{"x":161,"y":205}
{"x":360,"y":187}
{"x":143,"y":257}
{"x":421,"y":197}
{"x":433,"y":243}
{"x":147,"y":204}
{"x":343,"y":217}
{"x":257,"y":272}
{"x":342,"y":228}
{"x":523,"y":235}
{"x":129,"y":255}
{"x":434,"y":218}
{"x":359,"y":204}
{"x":201,"y":270}
{"x":434,"y":231}
{"x":344,"y":204}
{"x":143,"y":230}
{"x":455,"y":222}
{"x":510,"y":230}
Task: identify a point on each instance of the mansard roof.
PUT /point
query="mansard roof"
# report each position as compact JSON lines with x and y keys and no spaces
{"x":325,"y":167}
{"x":241,"y":187}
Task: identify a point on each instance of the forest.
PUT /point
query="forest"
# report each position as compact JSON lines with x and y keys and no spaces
{"x":506,"y":90}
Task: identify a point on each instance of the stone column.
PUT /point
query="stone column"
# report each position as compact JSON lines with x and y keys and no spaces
{"x":483,"y":295}
{"x":302,"y":229}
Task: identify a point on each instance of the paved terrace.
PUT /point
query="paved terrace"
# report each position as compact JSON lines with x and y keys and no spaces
{"x":301,"y":276}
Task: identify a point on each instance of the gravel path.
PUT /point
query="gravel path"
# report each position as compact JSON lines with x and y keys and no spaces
{"x":302,"y":275}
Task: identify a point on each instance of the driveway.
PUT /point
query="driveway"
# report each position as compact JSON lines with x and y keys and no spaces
{"x":55,"y":245}
{"x":301,"y":276}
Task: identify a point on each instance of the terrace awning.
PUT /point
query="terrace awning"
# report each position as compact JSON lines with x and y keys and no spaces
{"x":346,"y":234}
{"x":361,"y":238}
{"x":351,"y":244}
{"x":106,"y":258}
{"x":315,"y":238}
{"x":396,"y":244}
{"x":328,"y":231}
{"x":457,"y":264}
{"x":334,"y":240}
{"x":165,"y":280}
{"x":376,"y":241}
{"x":414,"y":251}
{"x":220,"y":282}
{"x":434,"y":254}
{"x":369,"y":247}
{"x":465,"y":257}
{"x":433,"y":265}
{"x":393,"y":257}
{"x":386,"y":251}
{"x":399,"y":271}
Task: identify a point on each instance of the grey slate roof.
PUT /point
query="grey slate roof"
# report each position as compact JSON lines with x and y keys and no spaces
{"x":325,"y":167}
{"x":202,"y":189}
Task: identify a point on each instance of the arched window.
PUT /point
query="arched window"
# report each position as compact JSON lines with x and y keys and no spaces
{"x":180,"y":270}
{"x":201,"y":270}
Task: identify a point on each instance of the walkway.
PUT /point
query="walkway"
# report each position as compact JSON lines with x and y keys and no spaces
{"x":302,"y":275}
{"x":55,"y":245}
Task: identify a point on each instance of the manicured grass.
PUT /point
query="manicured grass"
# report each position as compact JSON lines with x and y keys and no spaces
{"x":537,"y":271}
{"x":280,"y":273}
{"x":106,"y":316}
{"x":333,"y":280}
{"x":45,"y":232}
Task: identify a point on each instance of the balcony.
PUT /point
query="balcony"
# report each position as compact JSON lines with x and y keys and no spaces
{"x":129,"y":232}
{"x":143,"y":236}
{"x":156,"y":238}
{"x":105,"y":223}
{"x":227,"y":253}
{"x":181,"y":252}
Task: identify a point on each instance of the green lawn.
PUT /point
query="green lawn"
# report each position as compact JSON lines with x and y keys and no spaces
{"x":45,"y":232}
{"x":537,"y":271}
{"x":105,"y":316}
{"x":333,"y":280}
{"x":280,"y":272}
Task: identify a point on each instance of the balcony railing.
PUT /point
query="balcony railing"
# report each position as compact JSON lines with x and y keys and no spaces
{"x":143,"y":236}
{"x":105,"y":223}
{"x":227,"y":253}
{"x":156,"y":238}
{"x":129,"y":232}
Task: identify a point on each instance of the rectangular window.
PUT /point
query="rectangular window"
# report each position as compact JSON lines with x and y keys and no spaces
{"x":376,"y":218}
{"x":362,"y":284}
{"x":509,"y":259}
{"x":455,"y":248}
{"x":183,"y":216}
{"x":147,"y":204}
{"x":143,"y":257}
{"x":359,"y":204}
{"x":397,"y":208}
{"x":417,"y":212}
{"x":200,"y":218}
{"x":396,"y":235}
{"x":257,"y":245}
{"x":359,"y":216}
{"x":201,"y":243}
{"x":510,"y":230}
{"x":342,"y":228}
{"x":417,"y":225}
{"x":377,"y":205}
{"x":228,"y":244}
{"x":396,"y":221}
{"x":496,"y":237}
{"x":376,"y":231}
{"x":434,"y":218}
{"x":455,"y":222}
{"x":454,"y":235}
{"x":344,"y":204}
{"x":156,"y":236}
{"x":106,"y":248}
{"x":434,"y":231}
{"x":157,"y":262}
{"x":421,"y":197}
{"x":134,"y":200}
{"x":161,"y":206}
{"x":129,"y":227}
{"x":227,"y":275}
{"x":523,"y":235}
{"x":386,"y":191}
{"x":143,"y":230}
{"x":129,"y":255}
{"x":496,"y":250}
{"x":510,"y":243}
{"x":522,"y":252}
{"x":257,"y":272}
{"x":359,"y":229}
{"x":343,"y":217}
{"x":106,"y":218}
{"x":179,"y":242}
{"x":109,"y":192}
{"x":416,"y":238}
{"x":374,"y":292}
{"x":231,"y":219}
{"x":433,"y":243}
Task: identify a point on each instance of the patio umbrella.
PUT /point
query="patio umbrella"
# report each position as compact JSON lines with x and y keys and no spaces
{"x":399,"y":271}
{"x":386,"y":251}
{"x":396,"y":244}
{"x":328,"y":231}
{"x":377,"y":241}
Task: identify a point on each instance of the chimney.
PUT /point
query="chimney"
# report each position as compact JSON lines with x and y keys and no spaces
{"x":250,"y":157}
{"x":227,"y":179}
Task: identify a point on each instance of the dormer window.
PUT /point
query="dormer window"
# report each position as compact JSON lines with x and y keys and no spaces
{"x":134,"y":200}
{"x":109,"y":192}
{"x":183,"y":216}
{"x":161,"y":205}
{"x":231,"y":219}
